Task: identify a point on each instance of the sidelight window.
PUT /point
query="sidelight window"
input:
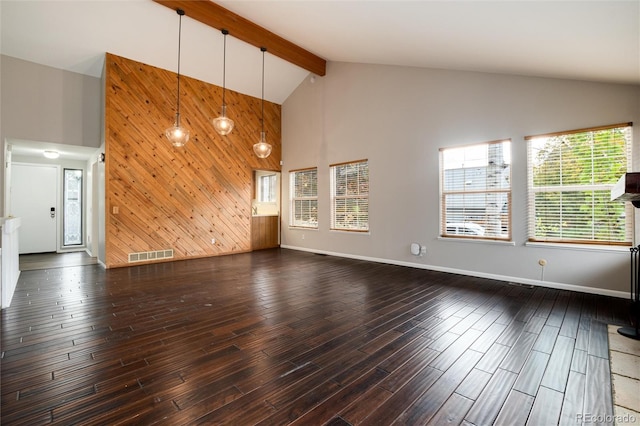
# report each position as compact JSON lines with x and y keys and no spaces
{"x":72,"y":207}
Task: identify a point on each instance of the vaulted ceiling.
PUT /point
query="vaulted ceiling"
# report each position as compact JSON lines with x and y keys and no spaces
{"x":585,"y":40}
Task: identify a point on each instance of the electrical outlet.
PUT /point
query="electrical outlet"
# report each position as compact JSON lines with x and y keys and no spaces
{"x":303,"y":236}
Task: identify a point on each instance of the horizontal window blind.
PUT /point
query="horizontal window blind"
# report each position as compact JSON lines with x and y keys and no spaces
{"x":304,"y":198}
{"x":570,"y":176}
{"x":350,"y":196}
{"x":475,"y":191}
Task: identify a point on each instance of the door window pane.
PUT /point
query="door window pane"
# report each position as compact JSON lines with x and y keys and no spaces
{"x":72,"y":208}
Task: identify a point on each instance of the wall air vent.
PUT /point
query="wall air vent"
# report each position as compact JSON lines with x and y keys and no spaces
{"x":150,"y":255}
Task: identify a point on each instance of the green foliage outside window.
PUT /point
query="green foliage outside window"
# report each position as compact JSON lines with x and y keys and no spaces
{"x":572,"y":177}
{"x":350,"y":196}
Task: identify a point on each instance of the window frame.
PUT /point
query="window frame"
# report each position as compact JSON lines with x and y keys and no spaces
{"x":267,"y":191}
{"x":67,"y":205}
{"x":569,"y":188}
{"x":293,"y":174}
{"x":445,"y":226}
{"x":360,"y":196}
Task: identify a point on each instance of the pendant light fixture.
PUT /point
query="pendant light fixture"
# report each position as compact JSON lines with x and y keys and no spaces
{"x":262,"y":148}
{"x":223,"y":124}
{"x":178,"y":135}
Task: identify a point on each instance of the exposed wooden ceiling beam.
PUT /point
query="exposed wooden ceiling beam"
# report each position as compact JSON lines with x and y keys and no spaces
{"x":220,"y":18}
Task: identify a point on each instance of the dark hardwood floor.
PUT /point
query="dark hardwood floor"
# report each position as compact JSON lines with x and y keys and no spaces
{"x":285,"y":337}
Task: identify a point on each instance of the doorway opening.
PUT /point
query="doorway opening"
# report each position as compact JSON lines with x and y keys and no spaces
{"x":265,"y":210}
{"x":71,"y":206}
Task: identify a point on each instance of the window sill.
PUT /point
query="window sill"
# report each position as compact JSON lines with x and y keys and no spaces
{"x":351,"y":232}
{"x":584,"y":247}
{"x":477,"y":241}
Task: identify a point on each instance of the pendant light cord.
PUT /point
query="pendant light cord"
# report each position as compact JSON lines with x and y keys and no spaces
{"x":180,"y":12}
{"x":264,"y":49}
{"x":224,"y":66}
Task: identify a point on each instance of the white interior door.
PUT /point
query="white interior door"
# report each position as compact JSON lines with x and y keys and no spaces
{"x":34,"y":193}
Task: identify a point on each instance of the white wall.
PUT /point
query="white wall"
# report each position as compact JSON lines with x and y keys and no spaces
{"x":41,"y":103}
{"x":398,"y":118}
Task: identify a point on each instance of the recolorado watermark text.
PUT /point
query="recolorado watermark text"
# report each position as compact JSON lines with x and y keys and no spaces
{"x":606,"y":418}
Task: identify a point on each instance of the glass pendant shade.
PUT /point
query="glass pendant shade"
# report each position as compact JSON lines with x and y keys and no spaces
{"x":223,"y":124}
{"x":262,"y":149}
{"x":177,"y":135}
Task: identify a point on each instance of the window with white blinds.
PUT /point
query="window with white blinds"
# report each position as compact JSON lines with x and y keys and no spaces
{"x":570,"y":178}
{"x":304,"y":198}
{"x":475,"y":189}
{"x":350,"y":196}
{"x":267,"y":189}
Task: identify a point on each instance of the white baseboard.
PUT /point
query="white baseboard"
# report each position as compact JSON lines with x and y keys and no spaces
{"x":518,"y":280}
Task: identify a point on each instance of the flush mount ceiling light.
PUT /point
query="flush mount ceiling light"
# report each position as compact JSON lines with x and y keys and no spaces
{"x":262,"y":148}
{"x":223,"y":124}
{"x":178,"y":135}
{"x":51,"y":154}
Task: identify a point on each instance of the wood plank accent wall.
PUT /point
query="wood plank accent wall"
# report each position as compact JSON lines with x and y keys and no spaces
{"x":159,"y":197}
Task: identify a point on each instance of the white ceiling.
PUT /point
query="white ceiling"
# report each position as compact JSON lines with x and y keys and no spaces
{"x":27,"y":148}
{"x":585,"y":40}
